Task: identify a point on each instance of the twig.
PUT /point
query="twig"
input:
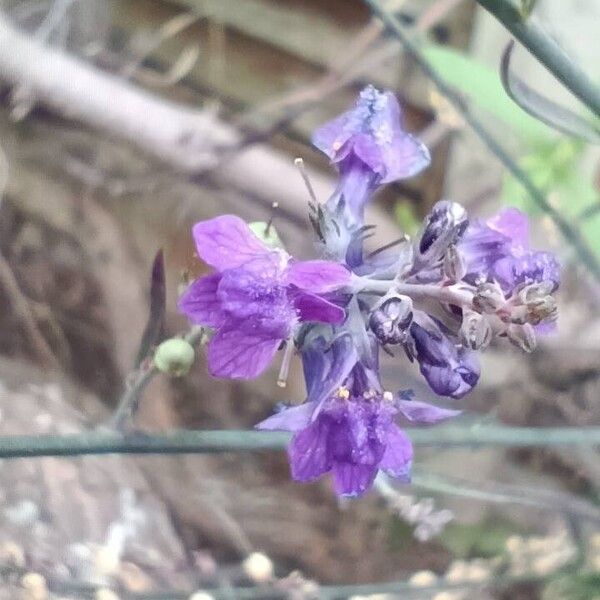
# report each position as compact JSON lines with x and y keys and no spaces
{"x":570,"y":234}
{"x":210,"y":442}
{"x":546,"y":50}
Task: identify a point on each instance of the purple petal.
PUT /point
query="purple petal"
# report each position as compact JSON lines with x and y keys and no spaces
{"x":226,"y":242}
{"x":532,"y":267}
{"x":200,"y":302}
{"x":405,"y":157}
{"x":514,"y":224}
{"x":332,"y":136}
{"x":317,"y":276}
{"x":308,"y":452}
{"x":352,"y":479}
{"x":293,"y":419}
{"x":397,"y":459}
{"x":235,"y":354}
{"x":314,"y":308}
{"x":422,"y":412}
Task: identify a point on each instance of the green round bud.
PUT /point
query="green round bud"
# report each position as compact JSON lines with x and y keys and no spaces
{"x":175,"y":357}
{"x":266,"y":233}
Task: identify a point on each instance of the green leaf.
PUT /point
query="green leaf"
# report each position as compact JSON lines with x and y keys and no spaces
{"x":482,"y":85}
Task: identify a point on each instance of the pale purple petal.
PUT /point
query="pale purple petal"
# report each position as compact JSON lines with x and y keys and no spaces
{"x":514,"y":224}
{"x":531,"y":267}
{"x":405,"y":157}
{"x":226,"y":242}
{"x":332,"y":136}
{"x":308,"y":451}
{"x":397,"y":459}
{"x":314,"y":308}
{"x":293,"y":419}
{"x":200,"y":302}
{"x":234,"y":354}
{"x":352,"y":479}
{"x":317,"y":276}
{"x":422,"y":412}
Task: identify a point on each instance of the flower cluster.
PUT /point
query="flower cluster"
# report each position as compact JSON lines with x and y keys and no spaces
{"x":442,"y":297}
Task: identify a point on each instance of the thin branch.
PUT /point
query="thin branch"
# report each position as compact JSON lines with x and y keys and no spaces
{"x":210,"y":442}
{"x":546,"y":50}
{"x":568,"y":231}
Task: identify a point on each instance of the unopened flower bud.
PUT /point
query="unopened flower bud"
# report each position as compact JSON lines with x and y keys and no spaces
{"x":535,"y":291}
{"x":390,"y":320}
{"x":476,"y":331}
{"x":489,"y":298}
{"x":455,"y":265}
{"x":522,"y":336}
{"x":442,"y":227}
{"x":544,"y":309}
{"x":266,"y":233}
{"x":174,"y":356}
{"x":258,"y":567}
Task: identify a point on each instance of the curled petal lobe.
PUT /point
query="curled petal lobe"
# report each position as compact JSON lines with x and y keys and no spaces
{"x":293,"y":419}
{"x":317,"y":276}
{"x":405,"y":157}
{"x":308,"y":451}
{"x":200,"y":302}
{"x":423,"y":413}
{"x":234,"y":354}
{"x":398,"y":455}
{"x":226,"y":242}
{"x":311,"y":307}
{"x":350,"y":479}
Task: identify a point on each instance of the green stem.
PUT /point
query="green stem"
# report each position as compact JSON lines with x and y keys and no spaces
{"x":209,"y":442}
{"x":546,"y":50}
{"x":568,"y":231}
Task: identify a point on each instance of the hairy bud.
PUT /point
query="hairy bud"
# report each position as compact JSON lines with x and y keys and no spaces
{"x":489,"y":298}
{"x":443,"y":226}
{"x":390,"y":320}
{"x":455,"y":265}
{"x":537,"y":305}
{"x":175,"y":357}
{"x":522,"y":336}
{"x":475,"y":332}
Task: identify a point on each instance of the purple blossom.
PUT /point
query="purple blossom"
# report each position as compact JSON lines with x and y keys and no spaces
{"x":256,"y":296}
{"x":498,"y":249}
{"x":347,"y":425}
{"x":450,"y":370}
{"x":370,"y":148}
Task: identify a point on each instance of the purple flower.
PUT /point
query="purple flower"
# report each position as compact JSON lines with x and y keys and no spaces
{"x":347,"y":426}
{"x":450,"y":370}
{"x":370,"y":148}
{"x":256,"y":296}
{"x":498,"y":249}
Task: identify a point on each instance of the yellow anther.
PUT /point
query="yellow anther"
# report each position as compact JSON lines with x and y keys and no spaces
{"x":343,"y":393}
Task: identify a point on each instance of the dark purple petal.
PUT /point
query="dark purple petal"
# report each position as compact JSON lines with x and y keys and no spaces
{"x":235,"y":354}
{"x":423,"y":413}
{"x":532,"y":267}
{"x":314,"y":308}
{"x":308,"y":451}
{"x":200,"y":302}
{"x":397,"y":459}
{"x":351,"y":479}
{"x":226,"y":242}
{"x":293,"y":419}
{"x":317,"y":276}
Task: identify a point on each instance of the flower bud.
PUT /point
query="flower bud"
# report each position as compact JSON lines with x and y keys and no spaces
{"x":174,"y":356}
{"x":455,"y":265}
{"x":535,"y":291}
{"x":442,"y":227}
{"x":489,"y":298}
{"x":390,"y":320}
{"x":522,"y":336}
{"x":476,"y":331}
{"x":266,"y":233}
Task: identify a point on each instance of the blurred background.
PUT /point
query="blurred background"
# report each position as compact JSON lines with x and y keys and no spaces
{"x":122,"y":123}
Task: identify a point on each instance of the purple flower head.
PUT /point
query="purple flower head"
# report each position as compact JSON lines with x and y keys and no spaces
{"x":370,"y":148}
{"x":450,"y":370}
{"x":347,"y":425}
{"x":256,"y":296}
{"x":498,"y":249}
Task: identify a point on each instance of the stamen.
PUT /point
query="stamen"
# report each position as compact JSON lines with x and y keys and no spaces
{"x":388,"y":396}
{"x":284,"y":371}
{"x":343,"y":393}
{"x":388,"y":246}
{"x":274,"y":207}
{"x":311,"y":192}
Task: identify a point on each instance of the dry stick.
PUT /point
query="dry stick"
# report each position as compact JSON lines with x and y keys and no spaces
{"x":21,"y":307}
{"x":570,"y":234}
